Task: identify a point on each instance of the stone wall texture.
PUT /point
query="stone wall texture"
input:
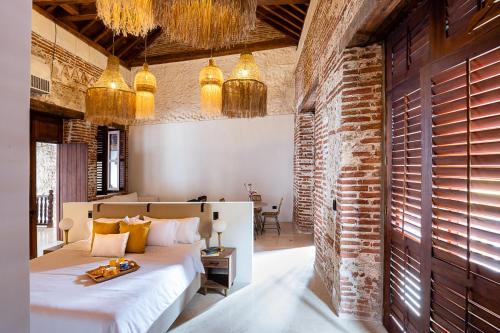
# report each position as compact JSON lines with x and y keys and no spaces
{"x":346,"y":84}
{"x":178,"y":95}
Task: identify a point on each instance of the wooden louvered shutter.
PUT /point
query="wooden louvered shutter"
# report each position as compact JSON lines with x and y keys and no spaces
{"x":465,"y":264}
{"x":123,"y":160}
{"x":405,"y":292}
{"x":409,"y":45}
{"x":458,"y":14}
{"x":102,"y":157}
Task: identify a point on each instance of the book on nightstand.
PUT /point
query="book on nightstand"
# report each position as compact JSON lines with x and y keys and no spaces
{"x":211,"y":251}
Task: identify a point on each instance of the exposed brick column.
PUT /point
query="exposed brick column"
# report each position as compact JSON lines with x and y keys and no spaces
{"x":347,"y":162}
{"x":359,"y":183}
{"x":303,"y":186}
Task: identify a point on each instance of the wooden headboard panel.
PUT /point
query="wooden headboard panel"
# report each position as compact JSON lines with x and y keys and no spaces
{"x":169,"y":210}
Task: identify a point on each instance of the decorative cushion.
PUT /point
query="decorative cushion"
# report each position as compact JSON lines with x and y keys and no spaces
{"x":187,"y":230}
{"x":110,"y":245}
{"x":162,"y":232}
{"x":104,"y":228}
{"x":138,"y":236}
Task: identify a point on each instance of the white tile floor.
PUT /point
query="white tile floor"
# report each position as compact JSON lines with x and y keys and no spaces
{"x":46,"y":237}
{"x":285,"y":297}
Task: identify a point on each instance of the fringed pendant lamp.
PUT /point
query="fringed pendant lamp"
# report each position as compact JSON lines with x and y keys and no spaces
{"x":243,"y":94}
{"x":211,"y":80}
{"x":145,"y":89}
{"x":206,"y":23}
{"x":110,"y":101}
{"x":134,"y":17}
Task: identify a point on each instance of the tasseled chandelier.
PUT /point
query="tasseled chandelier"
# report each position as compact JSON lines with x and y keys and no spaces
{"x":134,"y":17}
{"x":206,"y":23}
{"x":211,"y":80}
{"x":110,"y":101}
{"x":145,"y":89}
{"x":244,"y":95}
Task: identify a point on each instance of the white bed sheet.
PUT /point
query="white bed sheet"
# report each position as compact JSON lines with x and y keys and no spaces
{"x":64,"y":300}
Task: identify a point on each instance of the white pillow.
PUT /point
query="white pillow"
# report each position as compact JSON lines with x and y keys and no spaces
{"x":162,"y":232}
{"x":133,"y":219}
{"x":112,"y":245}
{"x":187,"y":230}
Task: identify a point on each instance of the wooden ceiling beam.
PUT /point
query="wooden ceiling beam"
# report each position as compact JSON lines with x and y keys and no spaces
{"x":297,"y":8}
{"x":74,"y":32}
{"x":70,"y":9}
{"x":63,"y":2}
{"x":277,"y":25}
{"x":274,"y":11}
{"x":280,"y":2}
{"x":77,"y":18}
{"x":88,"y":26}
{"x":103,"y":34}
{"x":150,"y":40}
{"x":116,"y":42}
{"x":292,"y":13}
{"x":201,"y":54}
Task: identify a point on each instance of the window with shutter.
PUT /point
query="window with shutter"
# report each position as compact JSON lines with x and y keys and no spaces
{"x":104,"y":160}
{"x":466,"y":195}
{"x":101,"y":167}
{"x":405,"y":212}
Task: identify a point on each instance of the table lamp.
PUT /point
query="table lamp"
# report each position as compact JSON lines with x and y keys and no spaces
{"x":219,"y":226}
{"x":65,"y":225}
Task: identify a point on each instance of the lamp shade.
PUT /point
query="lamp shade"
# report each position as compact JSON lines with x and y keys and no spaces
{"x":211,"y":80}
{"x":66,"y":224}
{"x":206,"y":24}
{"x":219,"y":226}
{"x":134,"y":17}
{"x":145,"y":89}
{"x":110,"y":100}
{"x":244,"y":95}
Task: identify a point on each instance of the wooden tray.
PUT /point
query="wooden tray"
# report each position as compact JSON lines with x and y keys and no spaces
{"x":133,"y":266}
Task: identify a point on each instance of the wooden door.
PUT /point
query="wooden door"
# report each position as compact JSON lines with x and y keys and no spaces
{"x":43,"y":128}
{"x":72,"y":174}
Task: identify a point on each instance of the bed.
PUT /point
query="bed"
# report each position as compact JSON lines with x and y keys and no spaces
{"x":64,"y":300}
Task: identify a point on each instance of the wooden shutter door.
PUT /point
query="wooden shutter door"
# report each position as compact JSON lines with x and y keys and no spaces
{"x":102,"y":161}
{"x":404,"y":281}
{"x":465,"y":264}
{"x":72,"y":173}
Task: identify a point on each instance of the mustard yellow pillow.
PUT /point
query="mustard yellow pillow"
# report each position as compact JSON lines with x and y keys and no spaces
{"x":137,"y":237}
{"x":104,"y":229}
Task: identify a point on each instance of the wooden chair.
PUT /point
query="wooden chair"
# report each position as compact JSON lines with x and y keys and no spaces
{"x":274,"y":214}
{"x":257,"y":218}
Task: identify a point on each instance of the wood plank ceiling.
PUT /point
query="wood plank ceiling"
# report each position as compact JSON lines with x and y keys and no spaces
{"x":279,"y":24}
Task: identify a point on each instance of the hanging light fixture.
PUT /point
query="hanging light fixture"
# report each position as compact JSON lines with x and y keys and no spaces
{"x":211,"y":80}
{"x":110,"y":101}
{"x":134,"y":17}
{"x":145,"y":89}
{"x":206,"y":23}
{"x":244,"y":95}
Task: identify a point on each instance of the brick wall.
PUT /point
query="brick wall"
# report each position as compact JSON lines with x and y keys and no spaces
{"x":71,"y":75}
{"x":303,"y":185}
{"x":347,"y":135}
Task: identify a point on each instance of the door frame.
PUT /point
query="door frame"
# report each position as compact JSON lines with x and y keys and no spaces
{"x":43,"y":128}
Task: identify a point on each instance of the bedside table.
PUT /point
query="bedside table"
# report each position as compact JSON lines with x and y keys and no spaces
{"x":52,"y":248}
{"x":220,"y":270}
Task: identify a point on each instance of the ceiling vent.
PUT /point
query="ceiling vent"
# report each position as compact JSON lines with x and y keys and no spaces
{"x":40,"y":76}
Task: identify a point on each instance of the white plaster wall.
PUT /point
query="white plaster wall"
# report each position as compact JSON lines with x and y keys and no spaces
{"x":179,"y":161}
{"x":15,"y":29}
{"x":178,"y":95}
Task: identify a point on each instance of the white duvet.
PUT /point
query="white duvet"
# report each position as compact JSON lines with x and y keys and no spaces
{"x":64,"y":300}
